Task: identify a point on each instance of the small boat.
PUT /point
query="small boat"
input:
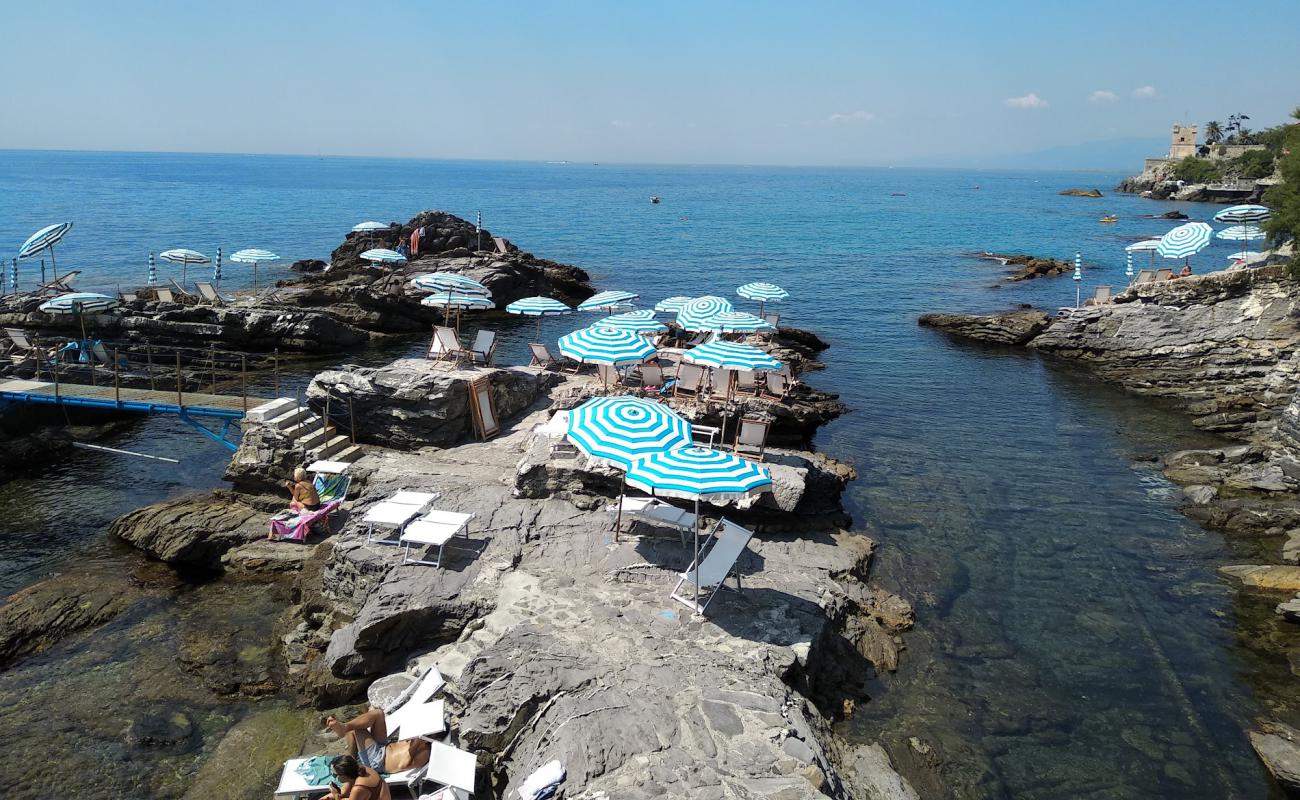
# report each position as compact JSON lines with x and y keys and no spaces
{"x":898,"y":194}
{"x":1109,"y":218}
{"x":654,"y":198}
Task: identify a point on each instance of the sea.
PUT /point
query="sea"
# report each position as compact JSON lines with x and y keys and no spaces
{"x":1072,"y":637}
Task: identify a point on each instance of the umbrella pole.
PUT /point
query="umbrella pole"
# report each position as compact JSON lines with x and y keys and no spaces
{"x":618,"y":519}
{"x":695,"y":567}
{"x":53,"y":266}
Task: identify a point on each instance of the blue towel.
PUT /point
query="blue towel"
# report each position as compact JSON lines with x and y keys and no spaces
{"x":316,"y":770}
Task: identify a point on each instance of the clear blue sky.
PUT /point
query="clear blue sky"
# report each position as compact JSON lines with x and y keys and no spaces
{"x":609,"y":80}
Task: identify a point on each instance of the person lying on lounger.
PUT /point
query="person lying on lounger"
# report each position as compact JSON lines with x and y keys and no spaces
{"x":303,"y":494}
{"x":355,"y":781}
{"x":367,"y":739}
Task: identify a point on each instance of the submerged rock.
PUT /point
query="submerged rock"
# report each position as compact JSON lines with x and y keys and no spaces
{"x":1080,"y":192}
{"x":42,"y":614}
{"x":1010,"y":328}
{"x":1278,"y":746}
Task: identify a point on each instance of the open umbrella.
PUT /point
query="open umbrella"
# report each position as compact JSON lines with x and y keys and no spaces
{"x":254,"y":256}
{"x":43,"y":240}
{"x":620,"y":430}
{"x":1185,"y":240}
{"x":736,"y":322}
{"x":697,"y":314}
{"x":672,"y":304}
{"x":79,"y":303}
{"x":611,"y":346}
{"x":698,"y":473}
{"x":449,"y":282}
{"x":370,"y":227}
{"x":1241,"y":233}
{"x":1148,"y":245}
{"x":730,"y":355}
{"x":640,"y":321}
{"x":460,"y":302}
{"x":538,"y":307}
{"x":184,"y":257}
{"x":763,"y":293}
{"x":381,"y":255}
{"x":607,"y":300}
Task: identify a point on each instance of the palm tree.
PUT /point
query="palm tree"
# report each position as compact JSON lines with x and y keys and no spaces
{"x":1214,"y":132}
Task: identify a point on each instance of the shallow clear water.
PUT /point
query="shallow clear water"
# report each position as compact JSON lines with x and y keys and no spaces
{"x":1072,"y":638}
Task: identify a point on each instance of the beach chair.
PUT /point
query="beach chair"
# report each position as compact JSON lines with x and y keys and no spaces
{"x":1164,"y":275}
{"x":332,"y":487}
{"x":609,"y":375}
{"x":1100,"y":296}
{"x":777,"y":387}
{"x":209,"y":293}
{"x":698,"y":339}
{"x":690,"y":380}
{"x":164,"y":295}
{"x":746,"y":382}
{"x":393,"y":513}
{"x":500,"y":245}
{"x":59,"y":285}
{"x":653,"y":511}
{"x":557,"y":428}
{"x":483,"y":348}
{"x":721,"y":551}
{"x":751,"y":438}
{"x":1144,"y":276}
{"x":101,"y":354}
{"x":178,"y":290}
{"x":22,"y":349}
{"x":128,"y":297}
{"x":407,"y":709}
{"x":445,"y":346}
{"x":774,"y":320}
{"x":652,"y":376}
{"x":295,"y":527}
{"x":310,"y":776}
{"x":434,"y":529}
{"x":542,"y":356}
{"x":451,"y":768}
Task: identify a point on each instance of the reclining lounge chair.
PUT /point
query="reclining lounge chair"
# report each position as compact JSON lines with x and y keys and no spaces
{"x":720,"y":551}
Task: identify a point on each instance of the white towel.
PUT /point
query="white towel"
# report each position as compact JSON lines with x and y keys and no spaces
{"x":550,"y":774}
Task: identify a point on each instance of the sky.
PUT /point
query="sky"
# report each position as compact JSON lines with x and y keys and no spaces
{"x":744,"y":82}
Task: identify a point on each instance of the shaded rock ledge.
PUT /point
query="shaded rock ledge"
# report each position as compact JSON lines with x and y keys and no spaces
{"x":1027,"y":267}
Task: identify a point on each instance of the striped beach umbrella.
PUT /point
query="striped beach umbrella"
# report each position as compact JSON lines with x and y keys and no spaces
{"x":382,"y":255}
{"x":184,"y":257}
{"x":370,"y":227}
{"x":606,"y":301}
{"x":605,"y":346}
{"x":640,"y":321}
{"x":697,"y":313}
{"x":730,"y":355}
{"x":736,"y":322}
{"x":78,"y":303}
{"x":254,"y":256}
{"x":449,"y":282}
{"x":620,"y":430}
{"x":1244,"y":214}
{"x":1248,"y":256}
{"x":458,"y":300}
{"x":1241,"y":233}
{"x":697,"y":473}
{"x":764,"y":293}
{"x":43,"y":240}
{"x":1148,"y":244}
{"x":673,"y":304}
{"x":538,"y":307}
{"x":1185,"y":240}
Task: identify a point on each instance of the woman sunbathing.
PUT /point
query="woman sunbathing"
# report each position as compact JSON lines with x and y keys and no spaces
{"x":303,"y":494}
{"x":358,"y":782}
{"x":367,"y":740}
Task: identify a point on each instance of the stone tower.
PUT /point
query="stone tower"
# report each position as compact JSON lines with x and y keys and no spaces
{"x":1183,"y":143}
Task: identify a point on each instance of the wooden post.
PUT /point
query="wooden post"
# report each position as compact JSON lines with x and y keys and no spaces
{"x":352,"y":421}
{"x":55,"y":371}
{"x":275,"y":367}
{"x":180,"y":393}
{"x":117,"y":386}
{"x":243,"y":379}
{"x":148,"y":353}
{"x":325,"y":426}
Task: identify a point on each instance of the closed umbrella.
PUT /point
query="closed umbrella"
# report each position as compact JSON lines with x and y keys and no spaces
{"x":621,"y":430}
{"x":381,"y":255}
{"x":43,"y":240}
{"x":698,"y":313}
{"x":1185,"y":240}
{"x":640,"y":321}
{"x":698,"y":473}
{"x":607,"y":301}
{"x":184,"y":257}
{"x":672,"y":304}
{"x":538,"y":307}
{"x":254,"y":256}
{"x":763,"y":293}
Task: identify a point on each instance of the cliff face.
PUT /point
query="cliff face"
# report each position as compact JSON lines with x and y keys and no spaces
{"x":1223,"y":345}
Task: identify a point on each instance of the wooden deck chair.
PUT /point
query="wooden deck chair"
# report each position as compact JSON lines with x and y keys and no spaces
{"x":652,"y":376}
{"x":774,"y":320}
{"x":609,"y":375}
{"x":500,"y":245}
{"x":445,"y":346}
{"x":1100,"y":296}
{"x":483,"y":348}
{"x":746,"y":382}
{"x":209,"y":293}
{"x":720,"y":553}
{"x":22,"y":350}
{"x":542,"y":356}
{"x":690,"y":380}
{"x":777,"y":387}
{"x":128,"y":297}
{"x":751,"y":438}
{"x":165,"y":295}
{"x":699,"y":338}
{"x":180,"y":291}
{"x":1144,"y":276}
{"x":60,"y":285}
{"x":1164,"y":275}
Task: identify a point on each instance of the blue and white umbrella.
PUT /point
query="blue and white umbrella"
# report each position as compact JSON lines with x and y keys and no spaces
{"x":1148,"y":244}
{"x":1241,"y":233}
{"x":538,"y":307}
{"x":696,"y":473}
{"x":1185,"y":240}
{"x":382,"y":255}
{"x":370,"y":227}
{"x":673,"y":304}
{"x":622,"y":430}
{"x":254,"y":256}
{"x":699,"y":311}
{"x":1244,"y":214}
{"x":78,"y":303}
{"x":449,"y":282}
{"x":43,"y":240}
{"x":184,"y":257}
{"x":606,"y":301}
{"x":764,"y":293}
{"x":605,"y":346}
{"x":640,"y":321}
{"x":730,"y":355}
{"x":458,"y":301}
{"x":736,"y":322}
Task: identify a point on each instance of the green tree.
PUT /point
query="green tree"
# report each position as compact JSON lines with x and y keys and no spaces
{"x":1196,"y":170}
{"x":1213,"y":132}
{"x":1284,"y":197}
{"x":1252,"y":164}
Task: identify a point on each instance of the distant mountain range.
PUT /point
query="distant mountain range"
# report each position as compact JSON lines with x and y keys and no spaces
{"x":1120,"y":155}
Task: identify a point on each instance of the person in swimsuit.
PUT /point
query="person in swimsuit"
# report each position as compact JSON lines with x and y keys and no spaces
{"x":356,"y":781}
{"x":303,"y":495}
{"x":367,"y":740}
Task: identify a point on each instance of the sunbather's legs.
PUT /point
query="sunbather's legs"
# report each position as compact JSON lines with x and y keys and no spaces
{"x":370,"y":723}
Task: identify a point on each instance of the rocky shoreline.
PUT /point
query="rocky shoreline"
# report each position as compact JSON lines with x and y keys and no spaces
{"x":1225,"y":349}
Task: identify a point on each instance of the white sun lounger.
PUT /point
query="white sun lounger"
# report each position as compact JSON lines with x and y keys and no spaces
{"x":653,"y":511}
{"x":295,"y":785}
{"x":394,"y":512}
{"x":407,"y":712}
{"x":435,"y":528}
{"x":451,"y":766}
{"x":721,"y":550}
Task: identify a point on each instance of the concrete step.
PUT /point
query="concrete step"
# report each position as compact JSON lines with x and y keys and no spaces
{"x":290,"y":417}
{"x":303,"y":427}
{"x":348,"y":454}
{"x":270,"y":410}
{"x":313,"y":439}
{"x":332,"y":446}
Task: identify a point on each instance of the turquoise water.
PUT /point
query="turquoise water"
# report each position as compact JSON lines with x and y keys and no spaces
{"x":1072,"y":638}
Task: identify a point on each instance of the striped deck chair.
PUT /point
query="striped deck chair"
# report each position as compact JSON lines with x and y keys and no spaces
{"x":296,"y":527}
{"x":332,"y":486}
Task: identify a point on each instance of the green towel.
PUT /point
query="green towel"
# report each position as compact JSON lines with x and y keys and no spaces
{"x":316,"y":770}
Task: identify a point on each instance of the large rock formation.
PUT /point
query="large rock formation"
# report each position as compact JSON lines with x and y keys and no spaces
{"x":414,"y":402}
{"x":1010,"y":328}
{"x":193,"y":531}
